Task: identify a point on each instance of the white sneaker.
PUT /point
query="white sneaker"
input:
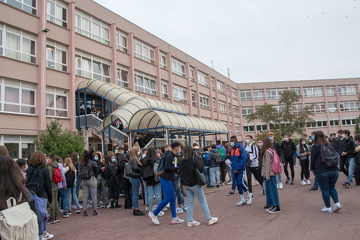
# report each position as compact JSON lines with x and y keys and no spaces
{"x":161,"y":213}
{"x":147,"y":209}
{"x":184,"y":208}
{"x":302,"y":183}
{"x":177,"y":220}
{"x":281,"y":186}
{"x":249,"y":200}
{"x":337,"y":207}
{"x":193,"y":223}
{"x":48,"y":236}
{"x":212,"y":221}
{"x":153,"y":218}
{"x":242,"y":202}
{"x":326,"y":210}
{"x":179,"y":210}
{"x":277,"y":186}
{"x":308,"y":182}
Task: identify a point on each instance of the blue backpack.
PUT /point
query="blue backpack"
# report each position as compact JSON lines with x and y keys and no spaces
{"x":206,"y":158}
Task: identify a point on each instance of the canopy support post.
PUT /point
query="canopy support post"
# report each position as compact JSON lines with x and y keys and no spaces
{"x":103,"y":142}
{"x":190,"y":138}
{"x":78,"y":111}
{"x":130,"y":142}
{"x":85,"y":112}
{"x":228,"y":137}
{"x":204,"y":139}
{"x":167,"y":136}
{"x":155,"y":139}
{"x":216,"y":138}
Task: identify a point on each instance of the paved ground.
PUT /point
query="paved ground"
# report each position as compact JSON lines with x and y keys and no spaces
{"x":300,"y":219}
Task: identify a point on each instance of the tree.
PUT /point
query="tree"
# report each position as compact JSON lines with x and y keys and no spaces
{"x":289,"y":119}
{"x":59,"y":142}
{"x":357,"y":127}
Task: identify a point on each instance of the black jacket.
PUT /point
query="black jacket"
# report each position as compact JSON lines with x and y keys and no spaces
{"x":316,"y":164}
{"x":169,"y":167}
{"x":350,"y":147}
{"x":187,"y":171}
{"x":45,"y":191}
{"x":278,"y":150}
{"x":288,"y":149}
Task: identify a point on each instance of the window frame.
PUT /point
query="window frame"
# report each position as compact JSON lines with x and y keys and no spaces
{"x":176,"y":96}
{"x":313,"y":92}
{"x":247,"y":111}
{"x":120,"y":81}
{"x":222,"y":106}
{"x":244,"y":95}
{"x":54,"y":18}
{"x":203,"y":79}
{"x":147,"y":53}
{"x":29,"y":9}
{"x":57,"y":47}
{"x":83,"y":56}
{"x":165,"y":85}
{"x":204,"y":102}
{"x":344,"y":90}
{"x":57,"y":92}
{"x":277,"y":91}
{"x":177,"y":67}
{"x":145,"y":77}
{"x":119,"y":45}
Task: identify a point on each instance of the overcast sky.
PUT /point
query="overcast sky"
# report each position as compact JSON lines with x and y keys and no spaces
{"x":259,"y":40}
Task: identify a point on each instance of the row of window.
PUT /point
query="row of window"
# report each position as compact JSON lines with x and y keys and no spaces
{"x":20,"y":97}
{"x":307,"y":92}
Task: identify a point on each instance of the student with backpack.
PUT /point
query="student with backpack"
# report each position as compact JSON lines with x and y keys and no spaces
{"x":124,"y":181}
{"x":252,"y":163}
{"x":134,"y":179}
{"x":88,"y":170}
{"x":214,"y":168}
{"x":270,"y":161}
{"x":206,"y":171}
{"x":39,"y":183}
{"x":55,"y":177}
{"x":222,"y":151}
{"x":112,"y":179}
{"x":64,"y":194}
{"x":324,"y":164}
{"x":279,"y":152}
{"x":70,"y":176}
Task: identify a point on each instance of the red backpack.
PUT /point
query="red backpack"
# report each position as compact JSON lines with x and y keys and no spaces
{"x":276,"y":166}
{"x":57,"y":178}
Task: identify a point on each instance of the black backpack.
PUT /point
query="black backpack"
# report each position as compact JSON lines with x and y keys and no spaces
{"x":35,"y":180}
{"x":85,"y":170}
{"x":70,"y":178}
{"x":215,"y":158}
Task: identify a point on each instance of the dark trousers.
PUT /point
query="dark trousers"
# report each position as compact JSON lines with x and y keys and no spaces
{"x":113,"y":191}
{"x":289,"y":161}
{"x":305,"y":171}
{"x":126,"y":187}
{"x":222,"y":171}
{"x":344,"y":165}
{"x":255,"y":172}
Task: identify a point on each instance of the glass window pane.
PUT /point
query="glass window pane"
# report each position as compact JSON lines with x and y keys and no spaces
{"x":28,"y":97}
{"x":61,"y":102}
{"x":12,"y":95}
{"x":49,"y":100}
{"x":13,"y":149}
{"x":11,"y":108}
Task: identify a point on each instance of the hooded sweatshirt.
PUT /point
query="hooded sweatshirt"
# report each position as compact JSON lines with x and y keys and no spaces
{"x":51,"y":167}
{"x":238,"y":157}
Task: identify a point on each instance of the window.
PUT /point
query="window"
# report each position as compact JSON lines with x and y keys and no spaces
{"x":259,"y":94}
{"x":248,"y":128}
{"x":297,"y":90}
{"x":17,"y":96}
{"x":164,"y":89}
{"x":177,"y":67}
{"x":279,"y":109}
{"x":334,"y":123}
{"x":214,"y":105}
{"x":212,"y":83}
{"x":297,"y":108}
{"x":246,"y":111}
{"x":347,"y":90}
{"x":17,"y":44}
{"x":274,"y":93}
{"x":237,"y":129}
{"x":25,"y":5}
{"x":236,"y":110}
{"x":90,"y":27}
{"x":220,"y":87}
{"x":56,"y":56}
{"x":163,"y":60}
{"x":144,"y":51}
{"x":245,"y":95}
{"x":204,"y":102}
{"x":193,"y":98}
{"x":330,"y":91}
{"x":346,"y":122}
{"x":145,"y":83}
{"x":316,"y":107}
{"x":57,"y":12}
{"x":229,"y":109}
{"x":56,"y":102}
{"x":123,"y":76}
{"x":313,"y":92}
{"x":332,"y":106}
{"x":261,"y":128}
{"x":90,"y":66}
{"x":222,"y":107}
{"x":321,"y":124}
{"x":192,"y":74}
{"x":349,"y":106}
{"x":18,"y":146}
{"x":234,"y":93}
{"x":121,"y":41}
{"x":179,"y":94}
{"x":202,"y":78}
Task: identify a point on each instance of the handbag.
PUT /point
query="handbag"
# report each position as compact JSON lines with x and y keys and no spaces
{"x":130,"y":171}
{"x":200,"y":178}
{"x":18,"y":222}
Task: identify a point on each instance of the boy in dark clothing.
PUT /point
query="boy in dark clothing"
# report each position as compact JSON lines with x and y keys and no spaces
{"x":340,"y":149}
{"x":349,"y":154}
{"x":357,"y":160}
{"x":288,"y":148}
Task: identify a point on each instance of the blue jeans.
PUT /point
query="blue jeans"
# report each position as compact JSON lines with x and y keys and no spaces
{"x":316,"y":183}
{"x":278,"y":178}
{"x":45,"y":202}
{"x":199,"y":193}
{"x":214,"y":175}
{"x":151,"y":191}
{"x":240,"y":182}
{"x":351,"y":169}
{"x":78,"y":184}
{"x":169,"y":197}
{"x":65,"y":198}
{"x":206,"y":173}
{"x":272,"y":195}
{"x":135,"y":185}
{"x":179,"y":195}
{"x":327,"y":182}
{"x":75,"y":197}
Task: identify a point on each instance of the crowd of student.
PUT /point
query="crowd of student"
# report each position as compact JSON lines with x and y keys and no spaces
{"x":163,"y":176}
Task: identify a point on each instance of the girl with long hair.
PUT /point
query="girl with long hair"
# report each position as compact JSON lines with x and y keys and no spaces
{"x":187,"y":167}
{"x":326,"y":176}
{"x":135,"y":180}
{"x":75,"y":159}
{"x":70,"y":170}
{"x":303,"y":154}
{"x":267,"y":157}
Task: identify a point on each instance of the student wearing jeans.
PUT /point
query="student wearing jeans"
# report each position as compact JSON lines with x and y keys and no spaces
{"x":349,"y":154}
{"x":167,"y":185}
{"x":135,"y":180}
{"x":327,"y":177}
{"x":214,"y":168}
{"x":187,"y":173}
